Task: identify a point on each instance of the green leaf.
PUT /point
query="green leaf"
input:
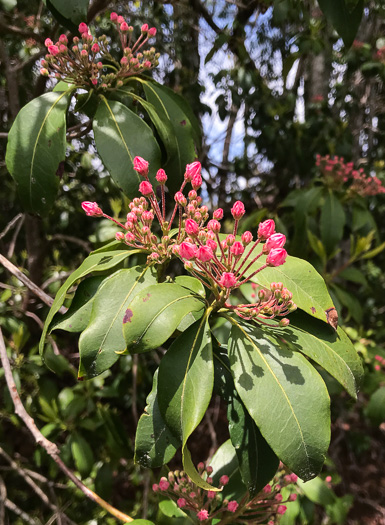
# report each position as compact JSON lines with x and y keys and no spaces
{"x":182,"y":149}
{"x":155,"y":313}
{"x":191,"y":283}
{"x":269,"y":381}
{"x":103,"y":339}
{"x":120,"y":136}
{"x":306,"y":284}
{"x":69,"y":13}
{"x":350,"y":301}
{"x":375,"y":410}
{"x":332,"y":350}
{"x":317,"y":491}
{"x":36,"y":146}
{"x":170,"y":509}
{"x":225,"y":462}
{"x":192,"y":473}
{"x":82,"y":454}
{"x":95,"y":262}
{"x":332,"y":222}
{"x":78,"y":314}
{"x":142,"y":522}
{"x":344,"y":20}
{"x":155,"y":445}
{"x":374,"y":252}
{"x":354,"y":274}
{"x":186,"y":379}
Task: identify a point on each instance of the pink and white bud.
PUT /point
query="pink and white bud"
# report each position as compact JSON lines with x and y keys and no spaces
{"x":192,"y":195}
{"x":232,"y":506}
{"x":48,"y":42}
{"x":214,"y":226}
{"x":228,"y":280}
{"x":63,"y":48}
{"x":294,"y":478}
{"x":92,"y":209}
{"x":119,"y":236}
{"x":113,"y":16}
{"x":161,"y":176}
{"x":120,"y":19}
{"x":147,"y":216}
{"x":188,"y":250}
{"x":276,"y":257}
{"x":181,"y":502}
{"x":191,"y":227}
{"x":141,"y":166}
{"x":124,"y":27}
{"x":62,"y":39}
{"x":180,"y":198}
{"x":246,"y":238}
{"x":163,"y":484}
{"x":238,"y":210}
{"x":230,"y":239}
{"x":196,"y":182}
{"x":83,"y":28}
{"x":44,"y":72}
{"x":155,"y":487}
{"x":192,"y":170}
{"x":209,"y":470}
{"x":218,"y":214}
{"x":265,"y":229}
{"x":152,"y":31}
{"x":205,"y":254}
{"x":237,"y":249}
{"x":124,"y":61}
{"x":145,"y":188}
{"x":223,"y":480}
{"x":84,"y":53}
{"x":53,"y":50}
{"x":277,"y":240}
{"x":212,"y":245}
{"x":129,"y":236}
{"x":281,"y":509}
{"x":95,"y":48}
{"x":202,"y":514}
{"x":144,"y":28}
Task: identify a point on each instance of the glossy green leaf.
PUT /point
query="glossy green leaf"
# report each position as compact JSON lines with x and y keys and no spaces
{"x":191,"y":283}
{"x":225,"y":462}
{"x":120,"y":136}
{"x":155,"y":445}
{"x":69,"y":13}
{"x":317,"y":491}
{"x":170,"y":509}
{"x":332,"y":350}
{"x":101,"y":341}
{"x":306,"y":284}
{"x":95,"y":262}
{"x":78,"y":315}
{"x":82,"y":454}
{"x":155,"y":313}
{"x":181,"y":147}
{"x":271,"y":381}
{"x":332,"y":222}
{"x":344,"y":20}
{"x":375,"y":410}
{"x":186,"y":379}
{"x":142,"y":522}
{"x":36,"y":146}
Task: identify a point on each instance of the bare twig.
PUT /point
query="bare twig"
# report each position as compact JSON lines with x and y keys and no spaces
{"x":59,"y":237}
{"x":3,"y":135}
{"x":15,"y":509}
{"x":54,"y":279}
{"x":32,"y":286}
{"x":134,"y":407}
{"x":12,"y":222}
{"x":15,"y":235}
{"x":48,"y":446}
{"x":3,"y":497}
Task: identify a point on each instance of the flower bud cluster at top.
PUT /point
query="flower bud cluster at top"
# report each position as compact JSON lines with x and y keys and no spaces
{"x":85,"y":62}
{"x":208,"y":504}
{"x":380,"y":363}
{"x":221,"y":263}
{"x":338,"y":174}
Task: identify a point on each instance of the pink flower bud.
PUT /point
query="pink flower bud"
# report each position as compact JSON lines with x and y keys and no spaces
{"x":99,"y":65}
{"x":202,"y":515}
{"x":209,"y":470}
{"x":278,"y":497}
{"x":124,"y":61}
{"x":210,"y":494}
{"x":192,"y":195}
{"x":246,"y":238}
{"x":205,"y":254}
{"x":191,"y":170}
{"x":223,"y":480}
{"x":294,"y":478}
{"x":161,"y":176}
{"x":144,"y":28}
{"x":196,"y":182}
{"x":212,"y":245}
{"x":147,"y":216}
{"x":95,"y":48}
{"x":155,"y":487}
{"x":120,"y":19}
{"x":214,"y":226}
{"x":141,"y":166}
{"x":147,"y":64}
{"x":92,"y":209}
{"x":292,"y":497}
{"x":124,"y":26}
{"x":276,"y":257}
{"x":228,"y":280}
{"x":265,"y":229}
{"x":63,"y":48}
{"x":113,"y":16}
{"x":281,"y":509}
{"x":191,"y":227}
{"x":163,"y":484}
{"x":277,"y":240}
{"x":238,"y":210}
{"x":119,"y":236}
{"x":44,"y":72}
{"x":180,"y":198}
{"x":84,"y":53}
{"x":201,"y":466}
{"x":218,"y":214}
{"x":284,"y":322}
{"x":181,"y":503}
{"x":188,"y":250}
{"x":53,"y":50}
{"x":129,"y":236}
{"x":94,"y":81}
{"x":83,"y":28}
{"x":230,"y":239}
{"x":62,"y":39}
{"x":48,"y":42}
{"x":145,"y":188}
{"x":237,"y":249}
{"x":267,"y":489}
{"x":232,"y":506}
{"x":152,"y":31}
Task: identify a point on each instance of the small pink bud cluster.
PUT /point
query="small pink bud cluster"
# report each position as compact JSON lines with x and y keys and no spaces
{"x":380,"y":363}
{"x":221,"y":262}
{"x":189,"y":497}
{"x":82,"y":64}
{"x":380,"y":55}
{"x":338,"y":174}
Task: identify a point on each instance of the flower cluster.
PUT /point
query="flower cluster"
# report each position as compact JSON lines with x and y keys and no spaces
{"x":222,"y":262}
{"x":206,"y":505}
{"x":380,"y":54}
{"x":380,"y":364}
{"x":338,"y":173}
{"x":85,"y":62}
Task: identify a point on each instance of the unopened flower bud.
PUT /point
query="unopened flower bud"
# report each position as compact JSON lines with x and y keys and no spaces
{"x":48,"y":42}
{"x":92,"y":209}
{"x":124,"y":27}
{"x":163,"y":484}
{"x":202,"y":515}
{"x":129,"y":236}
{"x":292,"y":497}
{"x":205,"y":254}
{"x":191,"y":170}
{"x":84,"y":53}
{"x":144,"y":28}
{"x":192,"y":195}
{"x":237,"y":249}
{"x":161,"y":176}
{"x":191,"y":227}
{"x":119,"y":236}
{"x":113,"y":16}
{"x":223,"y":480}
{"x":188,"y":250}
{"x":83,"y":28}
{"x":152,"y":31}
{"x":212,"y":244}
{"x":53,"y":50}
{"x":95,"y":48}
{"x":210,"y":494}
{"x":196,"y":182}
{"x":246,"y":238}
{"x":44,"y":72}
{"x":155,"y":487}
{"x":180,"y":198}
{"x":141,"y":166}
{"x":238,"y":210}
{"x":232,"y":506}
{"x":214,"y":226}
{"x":181,"y":502}
{"x":276,"y":240}
{"x":228,"y":280}
{"x":218,"y":214}
{"x":276,"y":257}
{"x":145,"y":188}
{"x":63,"y":39}
{"x":120,"y":19}
{"x":230,"y":239}
{"x":265,"y":229}
{"x":281,"y":509}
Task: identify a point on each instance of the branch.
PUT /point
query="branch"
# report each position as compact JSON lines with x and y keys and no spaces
{"x":47,"y":299}
{"x":48,"y":446}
